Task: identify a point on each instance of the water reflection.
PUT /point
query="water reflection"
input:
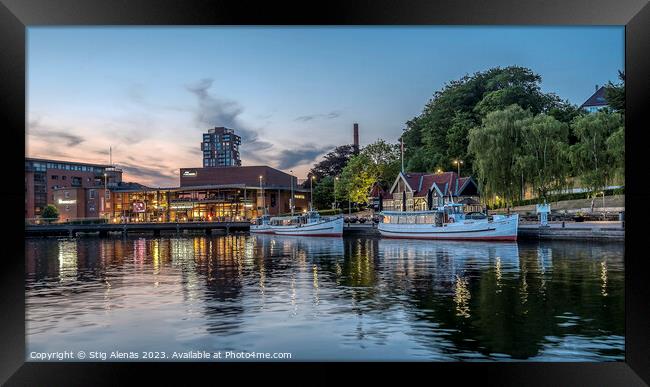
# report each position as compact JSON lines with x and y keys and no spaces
{"x":328,"y":298}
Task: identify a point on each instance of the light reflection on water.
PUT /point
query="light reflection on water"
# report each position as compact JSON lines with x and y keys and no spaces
{"x":328,"y":298}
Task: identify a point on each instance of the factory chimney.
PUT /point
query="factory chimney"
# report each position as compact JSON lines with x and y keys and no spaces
{"x":356,"y":135}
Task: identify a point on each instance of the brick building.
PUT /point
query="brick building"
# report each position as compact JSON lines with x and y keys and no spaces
{"x":43,"y":177}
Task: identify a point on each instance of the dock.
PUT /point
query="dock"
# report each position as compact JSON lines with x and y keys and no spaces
{"x":67,"y":229}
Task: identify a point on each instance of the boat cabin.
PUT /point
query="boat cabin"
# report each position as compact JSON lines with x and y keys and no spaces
{"x":309,"y":217}
{"x":440,"y":216}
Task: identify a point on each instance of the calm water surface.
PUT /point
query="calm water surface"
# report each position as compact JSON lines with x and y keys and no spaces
{"x":328,"y":298}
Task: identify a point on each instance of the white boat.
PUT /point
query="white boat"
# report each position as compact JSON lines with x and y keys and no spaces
{"x":261,"y":225}
{"x":448,"y":222}
{"x":309,"y":224}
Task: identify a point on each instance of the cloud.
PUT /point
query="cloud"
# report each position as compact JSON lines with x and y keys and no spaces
{"x":213,"y":111}
{"x":327,"y":116}
{"x":159,"y":173}
{"x":54,"y":135}
{"x":290,"y":158}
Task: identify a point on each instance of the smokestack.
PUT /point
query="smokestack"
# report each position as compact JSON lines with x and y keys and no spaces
{"x":356,"y":135}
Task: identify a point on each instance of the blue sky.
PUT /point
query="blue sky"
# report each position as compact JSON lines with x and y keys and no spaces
{"x":292,"y":92}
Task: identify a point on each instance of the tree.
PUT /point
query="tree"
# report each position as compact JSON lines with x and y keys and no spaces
{"x":496,"y":146}
{"x":386,"y":158}
{"x":50,"y":213}
{"x":592,"y":158}
{"x":615,"y":94}
{"x":324,"y":193}
{"x":616,"y":149}
{"x":357,"y":179}
{"x":544,"y":159}
{"x":439,"y":134}
{"x":333,"y":162}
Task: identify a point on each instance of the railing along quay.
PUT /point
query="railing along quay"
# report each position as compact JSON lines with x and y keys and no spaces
{"x":73,"y":228}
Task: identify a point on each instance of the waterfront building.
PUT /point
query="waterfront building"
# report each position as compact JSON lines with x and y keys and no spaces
{"x":220,"y":148}
{"x":596,"y":102}
{"x":205,"y":194}
{"x":44,"y":176}
{"x":410,"y":190}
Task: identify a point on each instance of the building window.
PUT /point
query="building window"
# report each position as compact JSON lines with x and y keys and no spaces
{"x":66,"y":194}
{"x":91,"y":194}
{"x":76,"y":181}
{"x":55,"y":177}
{"x":63,"y":177}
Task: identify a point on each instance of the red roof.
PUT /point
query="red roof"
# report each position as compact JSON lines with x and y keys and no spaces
{"x":446,"y":182}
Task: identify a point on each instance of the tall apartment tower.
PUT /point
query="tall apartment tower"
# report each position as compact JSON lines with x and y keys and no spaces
{"x":356,"y":135}
{"x":220,"y":148}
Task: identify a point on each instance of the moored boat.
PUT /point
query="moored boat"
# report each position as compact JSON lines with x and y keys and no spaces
{"x":309,"y":224}
{"x":449,"y":223}
{"x":261,"y":225}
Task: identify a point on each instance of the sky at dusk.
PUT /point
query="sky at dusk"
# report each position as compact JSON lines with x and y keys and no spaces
{"x":292,"y":93}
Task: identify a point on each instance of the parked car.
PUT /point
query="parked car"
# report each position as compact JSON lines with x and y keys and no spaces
{"x":362,"y":220}
{"x":376,"y":219}
{"x":351,"y":219}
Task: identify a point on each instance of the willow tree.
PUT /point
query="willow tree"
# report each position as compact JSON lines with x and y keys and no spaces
{"x":594,"y":161}
{"x":544,"y":159}
{"x":496,"y":146}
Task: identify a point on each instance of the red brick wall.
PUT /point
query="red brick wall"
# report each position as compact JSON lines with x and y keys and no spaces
{"x":249,"y":176}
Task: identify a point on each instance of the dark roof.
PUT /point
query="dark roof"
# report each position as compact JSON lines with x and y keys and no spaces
{"x":66,"y":162}
{"x":447,"y":182}
{"x":596,"y":99}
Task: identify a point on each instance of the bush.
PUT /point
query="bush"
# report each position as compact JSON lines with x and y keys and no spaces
{"x":50,"y":213}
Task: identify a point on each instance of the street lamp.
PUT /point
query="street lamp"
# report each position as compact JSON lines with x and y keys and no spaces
{"x":263,"y":198}
{"x":291,"y":199}
{"x":458,"y":163}
{"x":336,"y":205}
{"x":311,"y":193}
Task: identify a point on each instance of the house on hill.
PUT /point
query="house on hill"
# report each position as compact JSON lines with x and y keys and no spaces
{"x":596,"y":102}
{"x":410,"y":190}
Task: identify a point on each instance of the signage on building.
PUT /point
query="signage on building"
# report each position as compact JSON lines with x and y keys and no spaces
{"x":139,"y":207}
{"x":61,"y":201}
{"x":181,"y":206}
{"x":299,"y":196}
{"x":189,"y":173}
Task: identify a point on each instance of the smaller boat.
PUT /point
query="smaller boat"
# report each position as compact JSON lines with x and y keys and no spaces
{"x":261,"y":225}
{"x":448,"y":222}
{"x":309,"y":224}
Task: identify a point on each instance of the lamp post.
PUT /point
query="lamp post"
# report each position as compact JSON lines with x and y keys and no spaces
{"x":263,"y":198}
{"x":458,"y":163}
{"x":336,"y":205}
{"x":311,"y":193}
{"x":105,"y":191}
{"x":291,"y":199}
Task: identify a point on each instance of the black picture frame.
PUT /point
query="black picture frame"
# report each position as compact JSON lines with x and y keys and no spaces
{"x":17,"y":15}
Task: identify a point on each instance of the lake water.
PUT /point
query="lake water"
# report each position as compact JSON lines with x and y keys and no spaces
{"x":327,"y":298}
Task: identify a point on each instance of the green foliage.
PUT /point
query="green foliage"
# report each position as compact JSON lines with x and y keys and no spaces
{"x":544,"y":158}
{"x":386,"y":158}
{"x":50,"y":212}
{"x":439,"y":134}
{"x":357,"y":179}
{"x":594,"y":158}
{"x":333,"y":162}
{"x":615,"y":94}
{"x":616,"y":149}
{"x":497,"y":147}
{"x":324,"y":193}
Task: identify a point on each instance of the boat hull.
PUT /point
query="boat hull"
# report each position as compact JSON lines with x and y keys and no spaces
{"x":330,"y":228}
{"x":503,"y":229}
{"x":263,"y":229}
